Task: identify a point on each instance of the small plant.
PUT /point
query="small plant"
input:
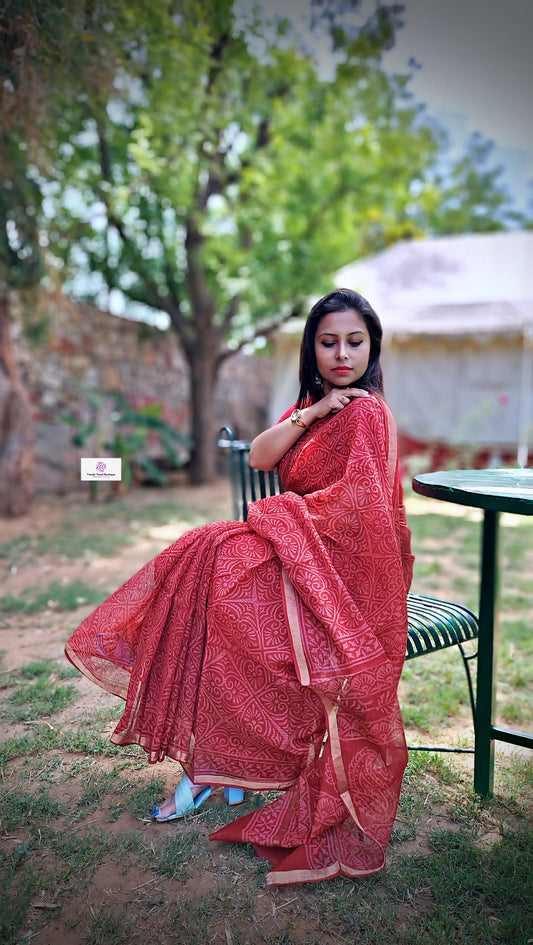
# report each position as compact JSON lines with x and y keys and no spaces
{"x":126,"y":433}
{"x":107,"y":927}
{"x":36,"y":700}
{"x":47,"y":668}
{"x":179,"y":853}
{"x":22,"y":807}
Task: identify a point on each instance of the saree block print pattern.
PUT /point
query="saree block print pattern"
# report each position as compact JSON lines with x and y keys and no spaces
{"x":268,"y":654}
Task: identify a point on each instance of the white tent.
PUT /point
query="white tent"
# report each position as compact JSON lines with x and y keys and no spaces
{"x":457,"y":314}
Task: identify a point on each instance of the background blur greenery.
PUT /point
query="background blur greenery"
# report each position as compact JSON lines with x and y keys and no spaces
{"x":196,"y":164}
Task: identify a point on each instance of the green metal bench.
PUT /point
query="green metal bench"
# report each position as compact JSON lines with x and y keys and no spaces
{"x":433,"y":624}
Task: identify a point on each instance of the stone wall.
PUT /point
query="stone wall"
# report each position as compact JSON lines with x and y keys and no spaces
{"x":72,"y":355}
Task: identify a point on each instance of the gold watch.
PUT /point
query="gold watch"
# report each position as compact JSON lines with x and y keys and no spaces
{"x":296,"y":417}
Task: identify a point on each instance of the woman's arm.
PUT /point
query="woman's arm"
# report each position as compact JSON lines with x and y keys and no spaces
{"x":268,"y":448}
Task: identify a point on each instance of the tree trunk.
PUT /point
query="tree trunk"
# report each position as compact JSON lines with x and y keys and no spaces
{"x":201,"y":351}
{"x":202,"y":467}
{"x":16,"y":427}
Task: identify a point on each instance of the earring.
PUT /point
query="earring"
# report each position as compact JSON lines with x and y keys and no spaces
{"x":318,"y":380}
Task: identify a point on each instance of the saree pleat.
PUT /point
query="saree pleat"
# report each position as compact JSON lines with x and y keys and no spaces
{"x":268,"y":654}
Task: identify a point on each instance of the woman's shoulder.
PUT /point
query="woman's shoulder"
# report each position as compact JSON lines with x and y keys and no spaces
{"x":372,"y":404}
{"x":372,"y":411}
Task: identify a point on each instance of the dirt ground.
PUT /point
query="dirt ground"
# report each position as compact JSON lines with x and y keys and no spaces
{"x":27,"y":638}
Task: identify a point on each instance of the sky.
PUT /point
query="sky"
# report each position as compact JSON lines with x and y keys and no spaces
{"x":476,"y":71}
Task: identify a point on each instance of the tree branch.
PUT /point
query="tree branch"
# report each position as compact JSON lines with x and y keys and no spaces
{"x":105,"y":159}
{"x":169,"y":304}
{"x":216,"y":56}
{"x":183,"y":330}
{"x":219,"y":177}
{"x":230,"y":313}
{"x":177,"y":319}
{"x":263,"y":330}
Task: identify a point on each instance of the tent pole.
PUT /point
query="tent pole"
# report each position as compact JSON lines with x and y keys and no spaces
{"x":526,"y":378}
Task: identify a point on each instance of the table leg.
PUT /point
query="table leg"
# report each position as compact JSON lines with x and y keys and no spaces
{"x":486,"y":661}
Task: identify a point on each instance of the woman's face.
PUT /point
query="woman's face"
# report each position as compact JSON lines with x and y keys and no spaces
{"x":342,"y":349}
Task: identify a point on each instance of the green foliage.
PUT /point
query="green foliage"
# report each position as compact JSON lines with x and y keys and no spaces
{"x":18,"y":883}
{"x":55,"y":597}
{"x":46,"y":668}
{"x":434,"y":690}
{"x":35,"y":38}
{"x":16,"y":547}
{"x":107,"y":928}
{"x":228,"y":172}
{"x":96,"y":531}
{"x":176,"y":856}
{"x":74,"y":543}
{"x":199,"y":162}
{"x":469,"y":197}
{"x":36,"y":700}
{"x":22,"y":807}
{"x":82,"y":855}
{"x":131,"y":430}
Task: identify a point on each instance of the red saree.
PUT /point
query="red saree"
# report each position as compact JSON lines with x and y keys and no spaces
{"x":240,"y":647}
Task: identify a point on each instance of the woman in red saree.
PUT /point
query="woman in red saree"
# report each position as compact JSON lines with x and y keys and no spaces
{"x":267,"y":654}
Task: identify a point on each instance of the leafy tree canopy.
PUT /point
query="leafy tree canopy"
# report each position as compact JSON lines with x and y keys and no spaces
{"x":220,"y":172}
{"x":199,"y":161}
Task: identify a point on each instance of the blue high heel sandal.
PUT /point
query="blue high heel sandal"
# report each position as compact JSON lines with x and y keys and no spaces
{"x":234,"y":795}
{"x":186,"y":803}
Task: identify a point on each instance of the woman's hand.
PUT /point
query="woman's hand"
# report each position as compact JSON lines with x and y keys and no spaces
{"x":268,"y":448}
{"x":336,"y":399}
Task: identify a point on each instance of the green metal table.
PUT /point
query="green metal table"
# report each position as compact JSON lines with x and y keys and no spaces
{"x":494,"y":491}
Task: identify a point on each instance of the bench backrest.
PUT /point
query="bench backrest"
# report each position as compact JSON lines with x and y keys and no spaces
{"x":247,"y":484}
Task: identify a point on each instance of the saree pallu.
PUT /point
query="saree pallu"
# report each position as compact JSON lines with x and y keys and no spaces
{"x":267,"y":655}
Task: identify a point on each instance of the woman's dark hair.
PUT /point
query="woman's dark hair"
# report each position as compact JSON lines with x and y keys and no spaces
{"x":340,"y":300}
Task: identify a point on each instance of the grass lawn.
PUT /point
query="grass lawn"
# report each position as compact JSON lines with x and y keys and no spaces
{"x":81,"y":861}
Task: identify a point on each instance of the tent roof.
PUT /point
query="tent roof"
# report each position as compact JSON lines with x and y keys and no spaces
{"x":474,"y":283}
